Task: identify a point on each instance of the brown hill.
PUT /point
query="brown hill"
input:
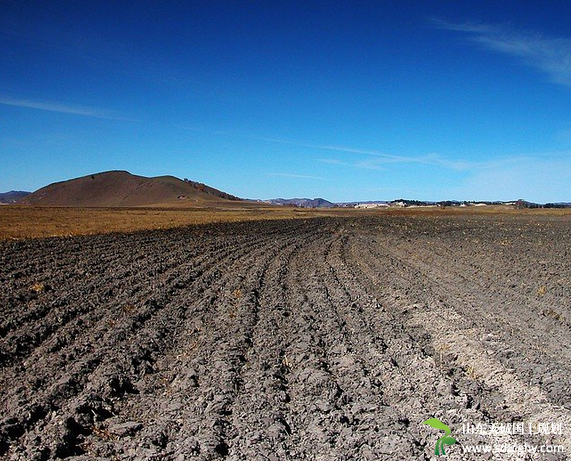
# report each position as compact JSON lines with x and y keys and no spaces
{"x":123,"y":189}
{"x":12,"y":197}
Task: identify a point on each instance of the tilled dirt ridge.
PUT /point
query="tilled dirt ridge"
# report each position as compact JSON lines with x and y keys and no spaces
{"x":325,"y":339}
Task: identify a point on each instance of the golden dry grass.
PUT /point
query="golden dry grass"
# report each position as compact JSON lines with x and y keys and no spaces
{"x":19,"y":222}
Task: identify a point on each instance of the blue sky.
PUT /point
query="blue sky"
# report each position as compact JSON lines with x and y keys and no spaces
{"x":344,"y":100}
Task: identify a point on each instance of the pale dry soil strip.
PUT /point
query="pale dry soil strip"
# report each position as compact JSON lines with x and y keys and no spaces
{"x":442,"y":313}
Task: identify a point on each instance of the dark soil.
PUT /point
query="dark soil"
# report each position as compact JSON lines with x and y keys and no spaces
{"x":325,"y":339}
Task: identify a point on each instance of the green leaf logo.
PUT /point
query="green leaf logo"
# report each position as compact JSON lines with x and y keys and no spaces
{"x":445,"y":439}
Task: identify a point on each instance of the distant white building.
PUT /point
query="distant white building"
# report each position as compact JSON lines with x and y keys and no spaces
{"x":371,"y":205}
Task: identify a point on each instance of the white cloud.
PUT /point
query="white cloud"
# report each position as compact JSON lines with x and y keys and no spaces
{"x":300,"y":176}
{"x":332,"y":161}
{"x":62,"y":108}
{"x":383,"y":158}
{"x":380,"y":161}
{"x":538,"y":177}
{"x":550,"y":55}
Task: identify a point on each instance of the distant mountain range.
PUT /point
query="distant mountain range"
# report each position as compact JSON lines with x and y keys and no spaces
{"x":121,"y":189}
{"x":302,"y":202}
{"x":13,"y":196}
{"x":322,"y":203}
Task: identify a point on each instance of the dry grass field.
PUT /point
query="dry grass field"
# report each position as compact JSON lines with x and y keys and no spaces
{"x":20,"y":222}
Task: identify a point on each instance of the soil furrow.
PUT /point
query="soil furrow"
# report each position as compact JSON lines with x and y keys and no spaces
{"x":76,"y":380}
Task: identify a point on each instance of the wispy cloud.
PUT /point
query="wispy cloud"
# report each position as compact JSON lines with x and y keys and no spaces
{"x":548,"y":54}
{"x":60,"y":107}
{"x":538,"y":177}
{"x":332,"y":161}
{"x":299,"y":176}
{"x":382,"y":158}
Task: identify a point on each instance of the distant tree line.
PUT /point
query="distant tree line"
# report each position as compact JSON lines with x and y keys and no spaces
{"x":557,"y":205}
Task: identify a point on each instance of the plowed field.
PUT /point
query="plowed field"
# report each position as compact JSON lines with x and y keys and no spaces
{"x":321,"y":339}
